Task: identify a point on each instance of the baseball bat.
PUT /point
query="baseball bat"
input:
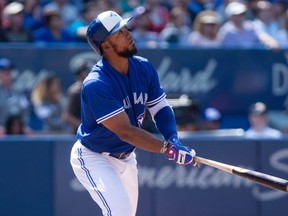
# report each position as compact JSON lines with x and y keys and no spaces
{"x":258,"y":177}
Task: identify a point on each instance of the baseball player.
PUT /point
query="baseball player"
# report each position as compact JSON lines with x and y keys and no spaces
{"x":113,"y":100}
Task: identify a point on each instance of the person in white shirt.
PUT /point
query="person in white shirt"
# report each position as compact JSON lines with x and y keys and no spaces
{"x":265,"y":20}
{"x":238,"y":32}
{"x":258,"y":119}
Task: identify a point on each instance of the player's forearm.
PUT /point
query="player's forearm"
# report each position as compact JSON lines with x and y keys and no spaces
{"x":142,"y":139}
{"x":120,"y":125}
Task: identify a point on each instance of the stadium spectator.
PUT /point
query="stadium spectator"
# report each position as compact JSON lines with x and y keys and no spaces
{"x":78,"y":28}
{"x":205,"y":30}
{"x":127,"y":7}
{"x":183,"y":5}
{"x":187,"y":113}
{"x":212,"y":119}
{"x":53,"y":31}
{"x":264,"y":20}
{"x":220,"y":9}
{"x":251,"y":8}
{"x":259,"y":129}
{"x":72,"y":111}
{"x":67,"y":11}
{"x":197,"y":6}
{"x":48,"y":103}
{"x":2,"y":6}
{"x":12,"y":102}
{"x":238,"y":32}
{"x":13,"y":29}
{"x":14,"y":125}
{"x":176,"y":31}
{"x":103,"y":5}
{"x":33,"y":14}
{"x":279,"y":8}
{"x":158,"y":15}
{"x":282,"y":36}
{"x":140,"y":26}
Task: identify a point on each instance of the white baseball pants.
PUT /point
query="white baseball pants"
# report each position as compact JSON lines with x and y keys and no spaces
{"x":111,"y":182}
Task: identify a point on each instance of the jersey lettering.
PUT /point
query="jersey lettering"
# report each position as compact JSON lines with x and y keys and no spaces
{"x":140,"y":98}
{"x":126,"y":103}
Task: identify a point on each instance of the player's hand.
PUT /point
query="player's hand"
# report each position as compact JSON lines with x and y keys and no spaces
{"x":174,"y":150}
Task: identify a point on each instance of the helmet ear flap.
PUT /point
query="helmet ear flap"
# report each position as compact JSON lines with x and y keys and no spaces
{"x":94,"y":46}
{"x":101,"y":48}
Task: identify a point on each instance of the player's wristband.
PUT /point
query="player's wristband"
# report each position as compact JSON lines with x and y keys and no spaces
{"x":164,"y":147}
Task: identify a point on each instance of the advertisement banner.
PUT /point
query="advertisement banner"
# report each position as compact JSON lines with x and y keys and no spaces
{"x":229,"y":80}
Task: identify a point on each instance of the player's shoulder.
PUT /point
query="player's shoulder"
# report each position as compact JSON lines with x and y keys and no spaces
{"x":139,"y":59}
{"x":98,"y":78}
{"x":142,"y":62}
{"x":97,"y":84}
{"x":93,"y":76}
{"x":96,"y":73}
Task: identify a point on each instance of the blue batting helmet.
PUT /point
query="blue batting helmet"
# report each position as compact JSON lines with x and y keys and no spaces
{"x":104,"y":25}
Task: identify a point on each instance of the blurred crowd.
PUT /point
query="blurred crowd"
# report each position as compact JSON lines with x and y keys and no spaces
{"x":189,"y":23}
{"x":56,"y":110}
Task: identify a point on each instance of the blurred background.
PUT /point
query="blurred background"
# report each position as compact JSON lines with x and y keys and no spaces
{"x":223,"y":65}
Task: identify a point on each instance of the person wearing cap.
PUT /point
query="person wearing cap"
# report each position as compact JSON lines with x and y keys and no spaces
{"x":258,"y":118}
{"x":114,"y":97}
{"x":14,"y":30}
{"x":72,"y":110}
{"x":205,"y":30}
{"x":212,"y":119}
{"x":12,"y":102}
{"x":239,"y":32}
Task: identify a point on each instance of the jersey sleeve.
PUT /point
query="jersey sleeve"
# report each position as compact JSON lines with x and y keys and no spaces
{"x":100,"y":100}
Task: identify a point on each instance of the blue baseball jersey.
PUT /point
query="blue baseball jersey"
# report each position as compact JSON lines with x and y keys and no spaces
{"x":106,"y":93}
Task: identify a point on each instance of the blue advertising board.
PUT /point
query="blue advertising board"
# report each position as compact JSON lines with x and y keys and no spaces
{"x":227,"y":79}
{"x":26,"y":177}
{"x":37,"y":179}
